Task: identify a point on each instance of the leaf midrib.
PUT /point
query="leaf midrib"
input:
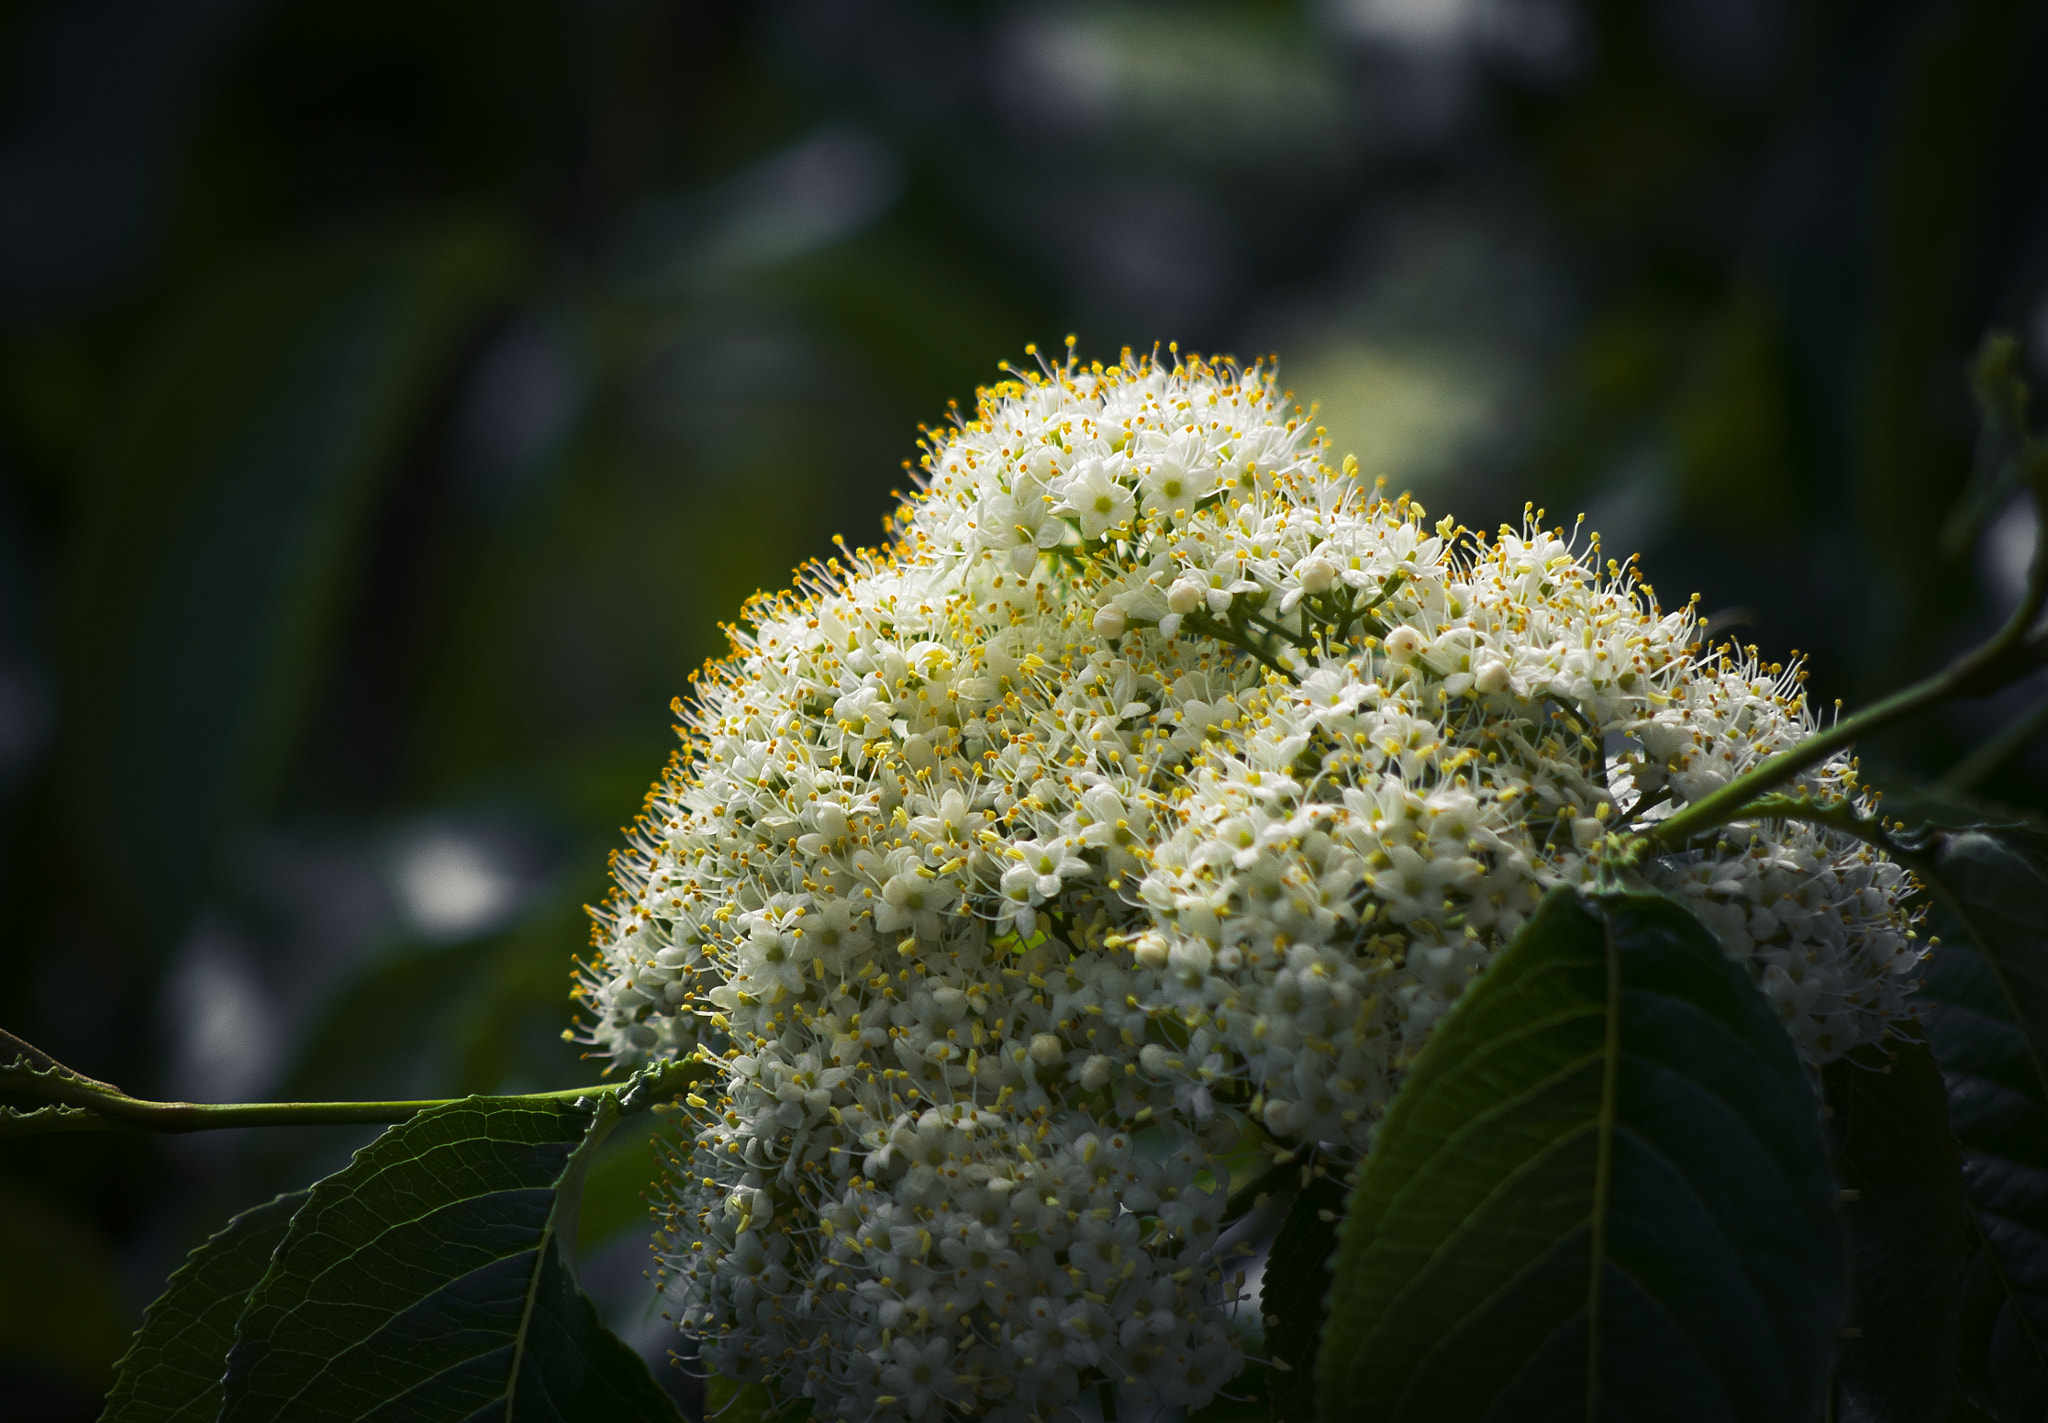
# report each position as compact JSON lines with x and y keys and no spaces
{"x":1537,"y":1260}
{"x":1507,"y":1106}
{"x":1605,"y":1121}
{"x":1603,"y":1175}
{"x":306,"y":1296}
{"x":1953,"y":899}
{"x":1479,"y":1124}
{"x":2015,"y":1299}
{"x":600,"y":1126}
{"x":1603,"y":1163}
{"x":550,"y":1229}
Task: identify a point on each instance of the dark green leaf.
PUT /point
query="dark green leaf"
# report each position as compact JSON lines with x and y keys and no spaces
{"x":1907,"y":1218}
{"x":384,"y":1033}
{"x":1998,"y":1111}
{"x":1926,"y":809}
{"x":1999,"y":898}
{"x":1292,"y":1297}
{"x":1602,"y":1192}
{"x":171,"y":1373}
{"x":428,"y":1281}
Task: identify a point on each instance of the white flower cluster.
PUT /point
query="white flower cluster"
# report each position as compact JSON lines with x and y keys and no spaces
{"x":1152,"y":793}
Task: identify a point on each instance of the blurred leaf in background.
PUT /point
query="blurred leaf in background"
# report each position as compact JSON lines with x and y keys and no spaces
{"x":63,"y":1317}
{"x":232,"y":497}
{"x":393,"y":398}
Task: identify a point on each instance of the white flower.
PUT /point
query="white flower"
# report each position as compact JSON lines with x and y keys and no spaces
{"x":1172,"y":489}
{"x":1097,"y":500}
{"x":915,"y":898}
{"x":918,"y":1374}
{"x":978,"y":859}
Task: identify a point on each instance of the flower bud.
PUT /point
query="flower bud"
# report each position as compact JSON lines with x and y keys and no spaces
{"x":1185,"y":596}
{"x":1316,"y":573}
{"x":1403,"y":644}
{"x":1047,"y":1049}
{"x":1109,"y":620}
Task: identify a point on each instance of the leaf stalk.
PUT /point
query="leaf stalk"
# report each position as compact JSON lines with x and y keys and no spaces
{"x":81,"y":1103}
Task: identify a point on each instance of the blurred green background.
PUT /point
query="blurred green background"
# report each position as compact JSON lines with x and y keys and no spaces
{"x":394,"y":396}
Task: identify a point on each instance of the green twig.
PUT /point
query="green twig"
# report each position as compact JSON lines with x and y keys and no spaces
{"x":1209,"y":626}
{"x":81,"y":1103}
{"x":1299,"y":640}
{"x":1839,"y":815}
{"x":2016,"y":649}
{"x":1388,"y":588}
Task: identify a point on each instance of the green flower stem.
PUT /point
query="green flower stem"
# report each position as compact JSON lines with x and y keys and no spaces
{"x":1208,"y":626}
{"x":81,"y":1103}
{"x":2014,"y":650}
{"x":1835,"y":814}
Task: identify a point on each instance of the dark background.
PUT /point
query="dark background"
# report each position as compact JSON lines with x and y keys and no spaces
{"x":393,"y":396}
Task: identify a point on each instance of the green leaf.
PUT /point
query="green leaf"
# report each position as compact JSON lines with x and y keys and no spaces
{"x":219,"y":545}
{"x":1907,"y":1218}
{"x":1603,"y":1191}
{"x":171,"y":1373}
{"x":1923,"y":810}
{"x":2000,"y":900}
{"x":1293,"y":1294}
{"x":428,"y":1281}
{"x":1998,"y":1110}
